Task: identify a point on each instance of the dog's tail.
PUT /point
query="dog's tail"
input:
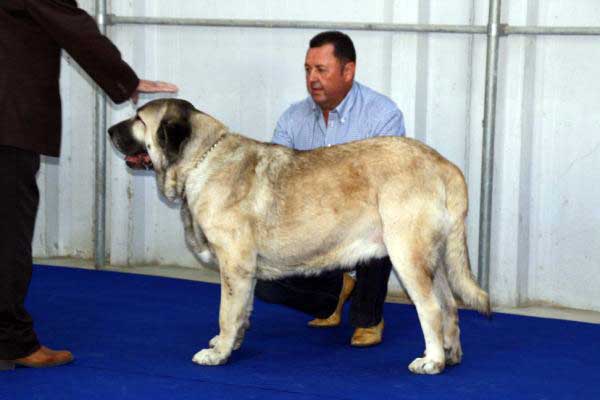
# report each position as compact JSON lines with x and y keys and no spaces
{"x":456,"y":255}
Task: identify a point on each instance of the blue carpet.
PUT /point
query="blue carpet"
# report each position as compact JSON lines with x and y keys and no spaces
{"x":134,"y":337}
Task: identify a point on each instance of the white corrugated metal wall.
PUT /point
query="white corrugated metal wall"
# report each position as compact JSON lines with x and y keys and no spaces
{"x":546,"y":222}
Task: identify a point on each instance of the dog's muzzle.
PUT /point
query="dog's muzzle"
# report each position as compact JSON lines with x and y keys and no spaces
{"x":139,"y":161}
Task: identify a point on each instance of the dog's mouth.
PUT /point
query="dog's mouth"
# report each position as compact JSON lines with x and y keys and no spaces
{"x":139,"y":161}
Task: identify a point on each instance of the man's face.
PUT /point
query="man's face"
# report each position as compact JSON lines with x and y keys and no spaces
{"x":327,"y":80}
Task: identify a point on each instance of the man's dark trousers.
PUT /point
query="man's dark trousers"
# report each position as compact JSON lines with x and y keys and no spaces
{"x":18,"y":207}
{"x":318,"y":296}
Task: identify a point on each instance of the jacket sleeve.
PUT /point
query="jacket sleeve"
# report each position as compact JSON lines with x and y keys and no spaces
{"x":76,"y":32}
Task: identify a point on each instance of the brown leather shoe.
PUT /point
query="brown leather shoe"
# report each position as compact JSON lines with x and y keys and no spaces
{"x":44,"y":357}
{"x":336,"y":318}
{"x":365,"y":337}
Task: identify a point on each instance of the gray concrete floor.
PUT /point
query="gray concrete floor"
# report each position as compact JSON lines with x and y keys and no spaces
{"x":207,"y":275}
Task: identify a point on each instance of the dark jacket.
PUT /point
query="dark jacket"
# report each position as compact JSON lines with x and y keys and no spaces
{"x":32,"y":33}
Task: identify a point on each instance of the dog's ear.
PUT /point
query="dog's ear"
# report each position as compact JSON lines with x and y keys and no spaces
{"x":172,"y":136}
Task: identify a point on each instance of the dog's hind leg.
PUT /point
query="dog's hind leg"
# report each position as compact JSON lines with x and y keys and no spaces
{"x":441,"y":288}
{"x":413,"y":271}
{"x":237,"y":283}
{"x":411,"y":240}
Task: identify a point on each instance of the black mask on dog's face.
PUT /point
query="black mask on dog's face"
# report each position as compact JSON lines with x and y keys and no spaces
{"x":135,"y":153}
{"x":172,"y":133}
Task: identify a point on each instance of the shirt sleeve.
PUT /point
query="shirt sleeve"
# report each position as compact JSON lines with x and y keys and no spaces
{"x":392,"y":125}
{"x":282,"y":134}
{"x":76,"y":32}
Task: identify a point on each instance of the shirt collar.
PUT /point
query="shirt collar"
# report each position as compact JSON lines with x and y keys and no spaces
{"x":345,"y":106}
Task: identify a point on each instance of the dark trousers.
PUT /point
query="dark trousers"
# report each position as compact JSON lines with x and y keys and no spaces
{"x":18,"y":208}
{"x":318,"y":296}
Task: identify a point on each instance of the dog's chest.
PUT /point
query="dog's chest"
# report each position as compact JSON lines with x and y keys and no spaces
{"x":196,"y":187}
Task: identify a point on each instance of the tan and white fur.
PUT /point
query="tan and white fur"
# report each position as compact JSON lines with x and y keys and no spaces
{"x":266,"y":211}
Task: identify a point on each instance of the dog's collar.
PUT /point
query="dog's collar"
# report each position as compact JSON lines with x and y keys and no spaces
{"x":211,"y":148}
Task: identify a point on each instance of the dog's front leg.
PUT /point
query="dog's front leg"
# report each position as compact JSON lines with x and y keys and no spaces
{"x":245,"y":326}
{"x":248,"y":311}
{"x":237,"y":283}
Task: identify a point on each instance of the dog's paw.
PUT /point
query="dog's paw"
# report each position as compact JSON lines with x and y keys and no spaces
{"x":426,"y":366}
{"x":214,"y":342}
{"x":209,"y":357}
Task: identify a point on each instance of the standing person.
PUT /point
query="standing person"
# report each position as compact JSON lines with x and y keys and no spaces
{"x":32,"y":34}
{"x":338,"y":110}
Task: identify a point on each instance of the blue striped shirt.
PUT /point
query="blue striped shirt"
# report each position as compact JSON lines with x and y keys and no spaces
{"x":362,"y":114}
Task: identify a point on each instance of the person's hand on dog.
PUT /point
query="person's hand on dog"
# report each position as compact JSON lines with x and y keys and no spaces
{"x":152,"y":87}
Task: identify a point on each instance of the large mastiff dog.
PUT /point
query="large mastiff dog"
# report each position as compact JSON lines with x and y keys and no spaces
{"x":266,"y":211}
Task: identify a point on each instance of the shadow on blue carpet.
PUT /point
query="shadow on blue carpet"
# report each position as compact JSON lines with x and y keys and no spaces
{"x":134,"y":337}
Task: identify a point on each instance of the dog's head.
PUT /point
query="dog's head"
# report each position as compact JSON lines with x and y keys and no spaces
{"x":156,"y":136}
{"x":166,"y":135}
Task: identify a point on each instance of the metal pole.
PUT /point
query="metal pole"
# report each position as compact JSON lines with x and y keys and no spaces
{"x":100,"y":161}
{"x":551,"y":30}
{"x":366,"y":26}
{"x":487,"y":162}
{"x":291,"y":24}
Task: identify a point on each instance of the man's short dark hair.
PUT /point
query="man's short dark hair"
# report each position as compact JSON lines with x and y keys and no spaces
{"x":342,"y":44}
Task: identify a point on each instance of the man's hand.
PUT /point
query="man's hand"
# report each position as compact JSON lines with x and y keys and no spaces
{"x":152,"y":87}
